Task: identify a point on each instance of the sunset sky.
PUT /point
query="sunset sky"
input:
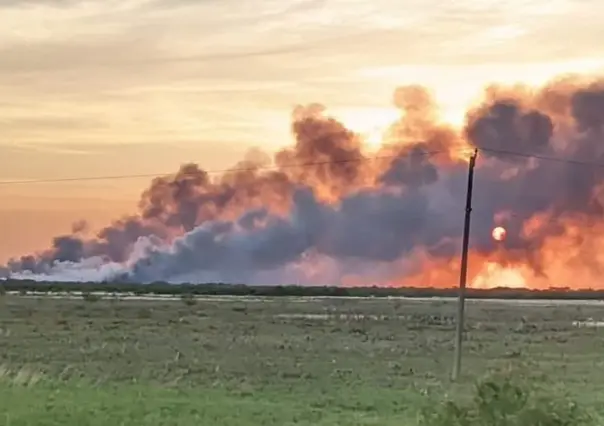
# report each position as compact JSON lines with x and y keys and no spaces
{"x":114,"y":87}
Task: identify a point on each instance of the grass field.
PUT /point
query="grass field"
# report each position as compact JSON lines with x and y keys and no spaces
{"x":285,"y":361}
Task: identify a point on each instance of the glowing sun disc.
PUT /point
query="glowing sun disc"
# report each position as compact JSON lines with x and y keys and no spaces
{"x":499,"y":233}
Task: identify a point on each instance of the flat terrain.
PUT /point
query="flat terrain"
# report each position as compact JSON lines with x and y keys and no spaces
{"x":280,"y":361}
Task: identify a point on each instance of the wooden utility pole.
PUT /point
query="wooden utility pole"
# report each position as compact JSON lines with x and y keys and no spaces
{"x":461,"y":301}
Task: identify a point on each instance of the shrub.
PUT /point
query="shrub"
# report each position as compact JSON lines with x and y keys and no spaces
{"x":188,"y":299}
{"x":503,"y":403}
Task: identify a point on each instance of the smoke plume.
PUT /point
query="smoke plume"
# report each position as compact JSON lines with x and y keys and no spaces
{"x":327,"y":211}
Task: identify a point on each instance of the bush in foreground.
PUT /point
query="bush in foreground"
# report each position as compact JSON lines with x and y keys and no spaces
{"x":503,"y":403}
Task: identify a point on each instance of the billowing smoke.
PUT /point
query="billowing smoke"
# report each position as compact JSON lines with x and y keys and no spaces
{"x":328,"y":212}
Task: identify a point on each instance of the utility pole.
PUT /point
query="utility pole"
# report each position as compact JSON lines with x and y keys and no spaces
{"x":461,"y":301}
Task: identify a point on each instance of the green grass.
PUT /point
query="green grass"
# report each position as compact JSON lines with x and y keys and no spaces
{"x":130,"y":404}
{"x":279,"y":362}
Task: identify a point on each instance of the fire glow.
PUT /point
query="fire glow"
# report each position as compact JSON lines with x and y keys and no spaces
{"x":359,"y":212}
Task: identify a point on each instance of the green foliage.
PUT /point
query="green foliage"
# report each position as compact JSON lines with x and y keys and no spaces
{"x":504,"y":403}
{"x":219,"y":289}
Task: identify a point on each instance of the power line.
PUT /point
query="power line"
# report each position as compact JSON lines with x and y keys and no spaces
{"x":507,"y":216}
{"x":232,"y":170}
{"x":543,"y":157}
{"x":308,"y":164}
{"x":544,"y":216}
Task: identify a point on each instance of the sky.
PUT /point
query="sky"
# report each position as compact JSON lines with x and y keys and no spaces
{"x":115,"y":87}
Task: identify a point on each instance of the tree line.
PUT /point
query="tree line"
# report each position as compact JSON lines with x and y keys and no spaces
{"x":221,"y":289}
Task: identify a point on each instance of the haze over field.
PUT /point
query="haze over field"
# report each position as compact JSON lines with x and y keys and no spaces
{"x":142,"y":87}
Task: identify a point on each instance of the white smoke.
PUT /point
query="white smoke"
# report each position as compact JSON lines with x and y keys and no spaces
{"x":94,"y":269}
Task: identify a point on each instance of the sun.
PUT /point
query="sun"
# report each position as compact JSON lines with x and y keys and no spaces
{"x":374,"y":137}
{"x":370,"y":123}
{"x":499,"y":233}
